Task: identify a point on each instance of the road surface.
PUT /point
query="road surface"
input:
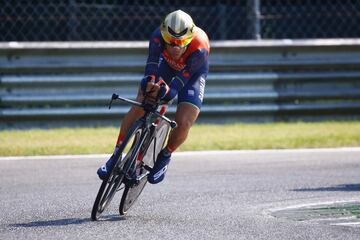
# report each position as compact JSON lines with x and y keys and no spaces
{"x":206,"y":195}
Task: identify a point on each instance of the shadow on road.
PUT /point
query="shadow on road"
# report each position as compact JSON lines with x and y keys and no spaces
{"x":340,"y":188}
{"x":67,"y":221}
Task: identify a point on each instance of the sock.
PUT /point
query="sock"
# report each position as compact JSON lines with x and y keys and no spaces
{"x":167,"y":151}
{"x":120,"y":139}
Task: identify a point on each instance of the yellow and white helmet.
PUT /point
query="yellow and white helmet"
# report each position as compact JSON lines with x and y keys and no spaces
{"x":177,"y":29}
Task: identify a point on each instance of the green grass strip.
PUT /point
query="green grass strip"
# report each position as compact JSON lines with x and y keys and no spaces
{"x":202,"y":137}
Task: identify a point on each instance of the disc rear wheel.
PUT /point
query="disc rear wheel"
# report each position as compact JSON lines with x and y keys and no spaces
{"x":130,"y":195}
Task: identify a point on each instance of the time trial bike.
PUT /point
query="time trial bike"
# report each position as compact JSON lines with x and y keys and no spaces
{"x":135,"y":156}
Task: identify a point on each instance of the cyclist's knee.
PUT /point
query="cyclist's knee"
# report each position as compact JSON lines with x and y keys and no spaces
{"x":186,"y":115}
{"x":184,"y":123}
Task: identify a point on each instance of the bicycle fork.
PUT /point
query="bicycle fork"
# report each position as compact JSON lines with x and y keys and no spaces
{"x":133,"y":178}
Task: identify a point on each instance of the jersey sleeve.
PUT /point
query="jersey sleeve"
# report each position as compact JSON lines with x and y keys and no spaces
{"x":155,"y":49}
{"x":195,"y":62}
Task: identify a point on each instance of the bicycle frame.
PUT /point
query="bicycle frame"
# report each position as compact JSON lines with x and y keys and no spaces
{"x":146,"y":137}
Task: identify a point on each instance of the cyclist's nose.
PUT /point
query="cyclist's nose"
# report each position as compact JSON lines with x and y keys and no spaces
{"x":176,"y":52}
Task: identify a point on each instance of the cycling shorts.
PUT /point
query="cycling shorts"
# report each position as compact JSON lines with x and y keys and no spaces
{"x":193,"y":91}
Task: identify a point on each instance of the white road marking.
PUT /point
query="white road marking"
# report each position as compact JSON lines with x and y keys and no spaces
{"x":347,"y":224}
{"x":196,"y":153}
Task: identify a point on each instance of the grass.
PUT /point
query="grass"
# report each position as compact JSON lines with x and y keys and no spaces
{"x":202,"y":137}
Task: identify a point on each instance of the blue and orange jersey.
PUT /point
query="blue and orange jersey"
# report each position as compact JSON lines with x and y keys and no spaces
{"x":194,"y":59}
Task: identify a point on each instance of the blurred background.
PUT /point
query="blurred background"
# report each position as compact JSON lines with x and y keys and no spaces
{"x":271,"y":60}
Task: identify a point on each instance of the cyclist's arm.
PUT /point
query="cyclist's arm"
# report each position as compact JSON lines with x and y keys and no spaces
{"x":197,"y":60}
{"x":155,"y":49}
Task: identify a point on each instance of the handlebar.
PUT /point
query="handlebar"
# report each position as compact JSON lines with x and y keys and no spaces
{"x":114,"y":96}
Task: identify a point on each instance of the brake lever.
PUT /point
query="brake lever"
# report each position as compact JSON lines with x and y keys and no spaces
{"x":113,"y":97}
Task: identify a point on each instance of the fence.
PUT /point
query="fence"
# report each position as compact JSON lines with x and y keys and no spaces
{"x":70,"y":83}
{"x":108,"y":20}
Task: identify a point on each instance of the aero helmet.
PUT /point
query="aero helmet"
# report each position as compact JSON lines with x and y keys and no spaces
{"x":177,"y":29}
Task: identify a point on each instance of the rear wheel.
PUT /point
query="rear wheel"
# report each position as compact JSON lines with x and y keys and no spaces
{"x":113,"y":183}
{"x":130,"y":195}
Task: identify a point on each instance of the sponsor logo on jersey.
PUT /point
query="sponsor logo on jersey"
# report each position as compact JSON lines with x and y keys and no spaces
{"x":178,"y":66}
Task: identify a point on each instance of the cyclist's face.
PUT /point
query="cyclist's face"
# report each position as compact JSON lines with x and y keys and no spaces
{"x":175,"y":52}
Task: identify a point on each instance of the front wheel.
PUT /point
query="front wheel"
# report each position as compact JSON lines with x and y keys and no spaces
{"x":113,"y":183}
{"x":105,"y":194}
{"x":131,"y":193}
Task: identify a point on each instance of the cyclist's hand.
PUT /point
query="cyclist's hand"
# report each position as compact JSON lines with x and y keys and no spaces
{"x":163,"y":89}
{"x":148,"y":89}
{"x":151,"y":93}
{"x":145,"y":80}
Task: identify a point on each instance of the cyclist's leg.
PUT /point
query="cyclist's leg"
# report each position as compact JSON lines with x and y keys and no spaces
{"x":185,"y":117}
{"x":130,"y":117}
{"x":134,"y":113}
{"x":189,"y":105}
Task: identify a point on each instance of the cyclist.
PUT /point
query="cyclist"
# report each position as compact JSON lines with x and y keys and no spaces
{"x":178,"y":56}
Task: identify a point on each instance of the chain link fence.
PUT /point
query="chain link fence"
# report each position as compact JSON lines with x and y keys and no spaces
{"x":107,"y":20}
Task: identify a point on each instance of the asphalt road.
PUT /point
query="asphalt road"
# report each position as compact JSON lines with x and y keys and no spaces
{"x":214,"y":195}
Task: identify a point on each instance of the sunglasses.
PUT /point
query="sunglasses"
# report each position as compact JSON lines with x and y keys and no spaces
{"x":180,"y":43}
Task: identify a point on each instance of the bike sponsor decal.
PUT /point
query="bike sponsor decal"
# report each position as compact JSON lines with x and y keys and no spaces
{"x":103,"y":168}
{"x":160,"y":173}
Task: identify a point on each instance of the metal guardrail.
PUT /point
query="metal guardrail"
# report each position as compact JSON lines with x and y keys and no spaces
{"x":60,"y":83}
